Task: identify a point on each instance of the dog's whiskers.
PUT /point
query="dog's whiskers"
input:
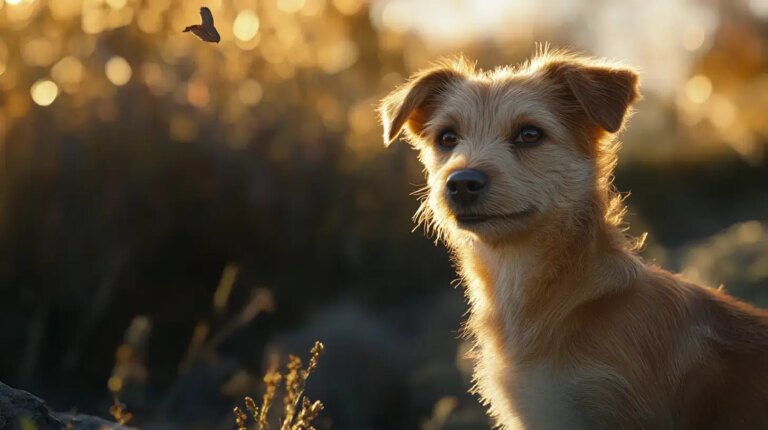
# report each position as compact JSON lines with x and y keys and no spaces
{"x":421,"y":191}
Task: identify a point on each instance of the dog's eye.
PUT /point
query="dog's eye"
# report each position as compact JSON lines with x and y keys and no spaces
{"x":448,"y":139}
{"x":528,"y":136}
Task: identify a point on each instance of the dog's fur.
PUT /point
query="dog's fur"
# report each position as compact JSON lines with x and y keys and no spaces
{"x":571,"y":329}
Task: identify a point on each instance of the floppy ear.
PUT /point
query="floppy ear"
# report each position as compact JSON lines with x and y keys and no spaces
{"x":604,"y":93}
{"x":413,"y":103}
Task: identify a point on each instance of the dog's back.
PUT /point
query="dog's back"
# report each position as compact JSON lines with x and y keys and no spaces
{"x":729,"y":389}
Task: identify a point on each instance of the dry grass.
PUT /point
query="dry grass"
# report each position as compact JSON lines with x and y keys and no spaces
{"x":119,"y":413}
{"x":298,"y":410}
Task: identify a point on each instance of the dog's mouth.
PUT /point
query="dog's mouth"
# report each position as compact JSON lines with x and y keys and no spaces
{"x":473,"y":219}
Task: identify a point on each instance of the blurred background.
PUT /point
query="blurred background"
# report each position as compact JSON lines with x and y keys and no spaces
{"x":175,"y":215}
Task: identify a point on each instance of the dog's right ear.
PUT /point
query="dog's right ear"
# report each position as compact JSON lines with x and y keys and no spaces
{"x":412,"y":103}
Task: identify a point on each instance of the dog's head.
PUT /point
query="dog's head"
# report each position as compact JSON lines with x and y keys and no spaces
{"x":512,"y":150}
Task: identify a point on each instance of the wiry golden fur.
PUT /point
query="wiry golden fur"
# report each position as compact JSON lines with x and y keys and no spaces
{"x":571,"y":329}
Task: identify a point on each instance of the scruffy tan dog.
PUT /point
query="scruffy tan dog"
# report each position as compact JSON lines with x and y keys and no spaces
{"x":572,"y":330}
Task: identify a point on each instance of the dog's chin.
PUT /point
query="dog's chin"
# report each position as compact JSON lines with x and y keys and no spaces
{"x":496,"y":228}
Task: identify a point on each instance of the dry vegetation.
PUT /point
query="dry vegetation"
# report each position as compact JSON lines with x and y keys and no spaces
{"x":295,"y":381}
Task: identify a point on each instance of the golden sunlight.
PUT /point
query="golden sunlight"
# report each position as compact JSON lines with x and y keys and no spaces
{"x":116,"y":4}
{"x":64,"y":9}
{"x":38,"y":51}
{"x":93,"y":21}
{"x":68,"y":71}
{"x":348,"y":7}
{"x":118,"y":71}
{"x":464,"y":20}
{"x":250,"y":92}
{"x":290,"y":6}
{"x":150,"y":21}
{"x":759,"y":7}
{"x":723,"y":113}
{"x":698,"y":88}
{"x":246,"y":25}
{"x":152,"y":74}
{"x":44,"y":92}
{"x":20,"y":12}
{"x":693,"y":37}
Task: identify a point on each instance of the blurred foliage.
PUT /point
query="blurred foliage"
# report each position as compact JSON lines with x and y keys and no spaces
{"x":735,"y":259}
{"x":138,"y":163}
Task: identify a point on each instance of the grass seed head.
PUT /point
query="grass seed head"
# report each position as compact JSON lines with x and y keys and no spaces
{"x":240,"y":418}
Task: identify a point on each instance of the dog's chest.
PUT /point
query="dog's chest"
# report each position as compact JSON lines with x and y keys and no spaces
{"x":543,"y":399}
{"x":539,"y":395}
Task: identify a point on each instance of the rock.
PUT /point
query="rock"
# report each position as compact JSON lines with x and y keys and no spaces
{"x":87,"y":422}
{"x":20,"y":410}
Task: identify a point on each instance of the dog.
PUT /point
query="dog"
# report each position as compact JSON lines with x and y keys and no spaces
{"x":572,"y":330}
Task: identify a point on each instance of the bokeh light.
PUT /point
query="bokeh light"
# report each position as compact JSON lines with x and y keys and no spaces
{"x":396,"y":16}
{"x":93,"y":21}
{"x":150,"y":21}
{"x":759,"y":7}
{"x":282,"y":41}
{"x":44,"y":92}
{"x":348,"y":7}
{"x":183,"y":128}
{"x":116,"y":4}
{"x":723,"y":113}
{"x":20,"y":12}
{"x":246,"y":25}
{"x":118,"y":70}
{"x":698,"y":88}
{"x":197,"y":92}
{"x":68,"y":71}
{"x":38,"y":51}
{"x":338,"y":57}
{"x":64,"y":9}
{"x":693,"y":37}
{"x":290,"y":6}
{"x":250,"y":92}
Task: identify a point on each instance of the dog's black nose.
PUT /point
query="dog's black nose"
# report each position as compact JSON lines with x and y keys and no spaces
{"x":465,"y":186}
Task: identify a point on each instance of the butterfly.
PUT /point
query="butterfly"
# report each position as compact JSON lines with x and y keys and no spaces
{"x":206,"y":32}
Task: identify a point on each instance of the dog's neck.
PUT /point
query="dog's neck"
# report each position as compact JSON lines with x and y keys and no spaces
{"x":522,"y":293}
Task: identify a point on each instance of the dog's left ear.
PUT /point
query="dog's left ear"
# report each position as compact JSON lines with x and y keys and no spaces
{"x":412,"y":104}
{"x":604,"y":93}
